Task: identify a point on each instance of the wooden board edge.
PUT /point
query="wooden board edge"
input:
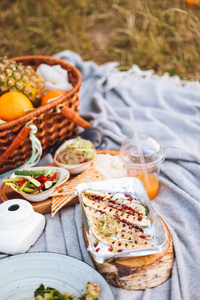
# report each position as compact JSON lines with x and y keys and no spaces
{"x":138,"y":273}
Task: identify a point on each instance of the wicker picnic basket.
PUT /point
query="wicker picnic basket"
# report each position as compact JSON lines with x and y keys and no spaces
{"x":52,"y":125}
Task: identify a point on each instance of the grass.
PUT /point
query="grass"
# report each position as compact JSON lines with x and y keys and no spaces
{"x":163,"y":35}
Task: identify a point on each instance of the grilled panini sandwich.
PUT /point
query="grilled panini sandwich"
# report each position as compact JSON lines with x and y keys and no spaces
{"x":118,"y":222}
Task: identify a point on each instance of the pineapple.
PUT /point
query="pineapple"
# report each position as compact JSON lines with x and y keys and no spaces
{"x":16,"y":77}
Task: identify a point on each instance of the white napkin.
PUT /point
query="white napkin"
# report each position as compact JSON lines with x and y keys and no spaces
{"x":54,"y":77}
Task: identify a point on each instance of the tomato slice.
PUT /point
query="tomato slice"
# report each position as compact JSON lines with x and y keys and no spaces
{"x":49,"y":179}
{"x":21,"y":182}
{"x":42,"y":178}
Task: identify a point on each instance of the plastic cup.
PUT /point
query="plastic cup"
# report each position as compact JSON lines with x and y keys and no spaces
{"x":153,"y":155}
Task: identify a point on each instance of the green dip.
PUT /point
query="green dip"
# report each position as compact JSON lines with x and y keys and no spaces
{"x":80,"y":151}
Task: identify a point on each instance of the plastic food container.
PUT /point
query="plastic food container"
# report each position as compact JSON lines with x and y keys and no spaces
{"x":153,"y":155}
{"x":120,"y":187}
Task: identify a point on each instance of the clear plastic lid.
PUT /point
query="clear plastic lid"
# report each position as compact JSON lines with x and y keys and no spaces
{"x":151,"y":148}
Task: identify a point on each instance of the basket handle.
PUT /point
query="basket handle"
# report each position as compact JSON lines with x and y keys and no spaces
{"x":74,"y":117}
{"x":18,"y":140}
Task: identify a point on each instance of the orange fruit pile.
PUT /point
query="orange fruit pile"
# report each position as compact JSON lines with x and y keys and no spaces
{"x":12,"y":106}
{"x":51,"y":95}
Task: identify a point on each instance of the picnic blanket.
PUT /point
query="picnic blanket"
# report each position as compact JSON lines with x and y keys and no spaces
{"x":169,"y":109}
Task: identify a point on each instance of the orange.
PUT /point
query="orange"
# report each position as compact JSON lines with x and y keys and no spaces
{"x":192,"y":2}
{"x":12,"y":105}
{"x":51,"y":94}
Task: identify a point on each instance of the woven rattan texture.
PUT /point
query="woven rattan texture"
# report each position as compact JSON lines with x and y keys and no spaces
{"x":52,"y":125}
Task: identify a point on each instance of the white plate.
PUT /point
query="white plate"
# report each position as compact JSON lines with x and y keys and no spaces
{"x":63,"y":175}
{"x":21,"y":274}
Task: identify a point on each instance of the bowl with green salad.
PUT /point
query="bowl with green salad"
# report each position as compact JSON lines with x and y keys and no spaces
{"x":75,"y":155}
{"x":38,"y":183}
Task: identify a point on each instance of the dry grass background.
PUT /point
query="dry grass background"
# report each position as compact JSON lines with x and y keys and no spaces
{"x":163,"y":35}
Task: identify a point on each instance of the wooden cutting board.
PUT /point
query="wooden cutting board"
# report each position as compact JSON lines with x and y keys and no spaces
{"x":139,"y":273}
{"x":43,"y":207}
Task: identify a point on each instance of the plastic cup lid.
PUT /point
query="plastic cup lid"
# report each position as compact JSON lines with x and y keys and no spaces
{"x":151,"y":148}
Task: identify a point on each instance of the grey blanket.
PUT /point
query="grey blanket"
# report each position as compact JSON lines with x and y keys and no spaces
{"x":170,"y":110}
